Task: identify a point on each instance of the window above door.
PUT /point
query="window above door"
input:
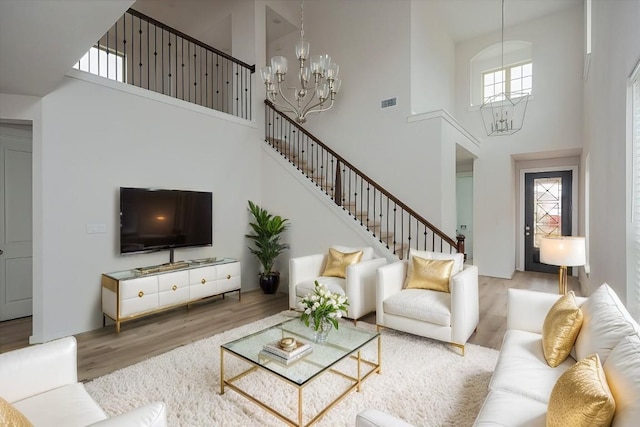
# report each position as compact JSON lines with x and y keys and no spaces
{"x":488,"y":75}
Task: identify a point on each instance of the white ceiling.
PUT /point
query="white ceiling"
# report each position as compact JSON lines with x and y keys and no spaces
{"x":40,"y":40}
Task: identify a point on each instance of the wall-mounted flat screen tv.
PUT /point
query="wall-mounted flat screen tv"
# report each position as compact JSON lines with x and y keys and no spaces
{"x":154,"y":220}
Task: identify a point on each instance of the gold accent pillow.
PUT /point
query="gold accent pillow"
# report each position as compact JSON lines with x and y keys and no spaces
{"x":337,"y":262}
{"x":10,"y":416}
{"x":560,"y":329}
{"x":430,"y":274}
{"x":581,"y":396}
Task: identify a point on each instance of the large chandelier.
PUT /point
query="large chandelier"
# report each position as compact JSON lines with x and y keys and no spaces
{"x":319,"y":82}
{"x":503,"y":113}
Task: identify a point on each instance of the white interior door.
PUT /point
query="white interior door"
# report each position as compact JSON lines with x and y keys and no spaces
{"x":16,"y":287}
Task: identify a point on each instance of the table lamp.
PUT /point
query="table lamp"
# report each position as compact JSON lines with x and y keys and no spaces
{"x":564,"y":251}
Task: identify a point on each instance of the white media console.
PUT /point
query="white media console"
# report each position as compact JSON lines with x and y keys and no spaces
{"x":130,"y":294}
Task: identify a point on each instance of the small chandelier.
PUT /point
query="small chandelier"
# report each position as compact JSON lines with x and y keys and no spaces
{"x":503,"y":113}
{"x":319,"y":82}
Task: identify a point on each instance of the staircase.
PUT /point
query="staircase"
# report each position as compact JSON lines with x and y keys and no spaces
{"x":391,"y":222}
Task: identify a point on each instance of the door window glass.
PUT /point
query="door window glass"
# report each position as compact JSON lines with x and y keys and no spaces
{"x":548,"y":208}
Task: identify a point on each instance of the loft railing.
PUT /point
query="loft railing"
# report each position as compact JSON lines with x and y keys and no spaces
{"x":143,"y":52}
{"x":392,"y":222}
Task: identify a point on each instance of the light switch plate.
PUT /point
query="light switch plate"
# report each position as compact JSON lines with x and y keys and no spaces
{"x":96,"y":228}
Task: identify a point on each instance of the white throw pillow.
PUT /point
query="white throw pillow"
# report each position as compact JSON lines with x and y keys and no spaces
{"x":367,"y":252}
{"x":622,"y":370}
{"x":606,"y":322}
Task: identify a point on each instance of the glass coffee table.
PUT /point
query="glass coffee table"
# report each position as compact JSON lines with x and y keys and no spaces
{"x":343,"y":344}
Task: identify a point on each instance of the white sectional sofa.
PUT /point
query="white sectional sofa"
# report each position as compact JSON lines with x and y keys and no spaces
{"x":41,"y":382}
{"x":522,"y":382}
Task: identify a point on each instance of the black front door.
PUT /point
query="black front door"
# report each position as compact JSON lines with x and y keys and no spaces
{"x":547,"y":211}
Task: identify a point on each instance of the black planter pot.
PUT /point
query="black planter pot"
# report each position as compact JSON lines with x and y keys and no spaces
{"x":269,"y":282}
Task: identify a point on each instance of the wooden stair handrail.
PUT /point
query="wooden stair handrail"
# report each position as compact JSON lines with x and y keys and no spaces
{"x":459,"y":244}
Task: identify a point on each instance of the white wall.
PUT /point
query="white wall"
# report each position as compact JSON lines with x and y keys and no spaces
{"x":553,"y":122}
{"x":615,"y":51}
{"x":370,"y":40}
{"x":87,"y":150}
{"x":432,"y":60}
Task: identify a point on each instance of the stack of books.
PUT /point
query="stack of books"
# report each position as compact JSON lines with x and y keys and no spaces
{"x":273,"y":351}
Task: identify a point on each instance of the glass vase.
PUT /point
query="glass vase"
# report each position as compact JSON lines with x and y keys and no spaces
{"x":321,"y":332}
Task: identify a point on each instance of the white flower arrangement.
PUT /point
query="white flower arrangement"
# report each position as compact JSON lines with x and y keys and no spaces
{"x":321,"y":305}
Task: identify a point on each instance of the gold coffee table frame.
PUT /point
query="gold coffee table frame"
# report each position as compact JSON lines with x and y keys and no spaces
{"x":345,"y":343}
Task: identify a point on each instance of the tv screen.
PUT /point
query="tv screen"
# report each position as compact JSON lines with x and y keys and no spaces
{"x":153,"y":220}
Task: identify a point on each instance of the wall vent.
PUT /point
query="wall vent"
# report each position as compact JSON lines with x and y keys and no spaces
{"x":390,"y":102}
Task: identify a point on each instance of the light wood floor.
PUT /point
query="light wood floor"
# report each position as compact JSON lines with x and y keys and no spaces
{"x":102,"y":351}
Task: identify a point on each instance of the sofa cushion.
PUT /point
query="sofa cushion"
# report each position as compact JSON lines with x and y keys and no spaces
{"x":337,"y":262}
{"x":420,"y":304}
{"x":522,"y":368}
{"x":502,"y":408}
{"x":560,"y":329}
{"x":458,"y":261}
{"x":67,"y":406}
{"x":11,"y":417}
{"x":622,"y":370}
{"x":335,"y":285}
{"x":581,"y":397}
{"x":430,"y":274}
{"x":605,"y":323}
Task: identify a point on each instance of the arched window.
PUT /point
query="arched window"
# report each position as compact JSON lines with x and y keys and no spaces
{"x":489,"y":77}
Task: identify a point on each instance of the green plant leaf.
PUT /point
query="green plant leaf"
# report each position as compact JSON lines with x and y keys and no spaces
{"x":266,"y":236}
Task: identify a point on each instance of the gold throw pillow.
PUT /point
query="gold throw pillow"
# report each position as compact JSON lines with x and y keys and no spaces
{"x":11,"y":417}
{"x":337,"y":262}
{"x":430,"y":274}
{"x":560,"y":329}
{"x":581,"y":396}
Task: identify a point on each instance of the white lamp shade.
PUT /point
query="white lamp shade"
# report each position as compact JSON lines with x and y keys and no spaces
{"x":302,"y":49}
{"x":267,"y":75}
{"x":279,"y":65}
{"x":332,"y":71}
{"x":565,"y":251}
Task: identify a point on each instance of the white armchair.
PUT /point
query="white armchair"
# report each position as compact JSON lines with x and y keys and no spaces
{"x":41,"y":382}
{"x":359,"y":284}
{"x":445,"y":316}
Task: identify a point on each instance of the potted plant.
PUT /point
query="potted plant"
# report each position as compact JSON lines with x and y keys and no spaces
{"x":266,"y":237}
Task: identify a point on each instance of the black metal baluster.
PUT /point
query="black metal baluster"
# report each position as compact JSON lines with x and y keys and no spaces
{"x":148,"y":60}
{"x":140,"y":51}
{"x":228,"y":91}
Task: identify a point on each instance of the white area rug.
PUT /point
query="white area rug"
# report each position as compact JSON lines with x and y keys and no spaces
{"x":425,"y":382}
